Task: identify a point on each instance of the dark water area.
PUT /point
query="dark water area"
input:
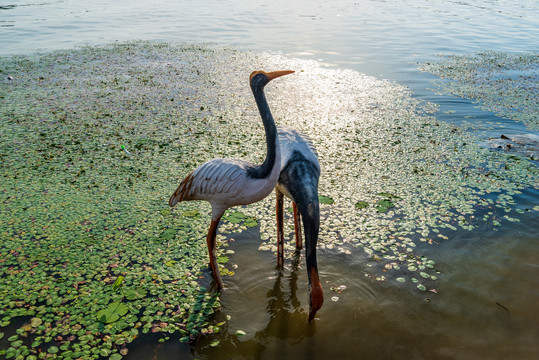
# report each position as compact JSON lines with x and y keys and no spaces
{"x":482,"y":306}
{"x":477,"y":311}
{"x":485,"y":301}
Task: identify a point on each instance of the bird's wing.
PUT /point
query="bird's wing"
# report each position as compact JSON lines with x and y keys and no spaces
{"x":212,"y":178}
{"x":292,"y":140}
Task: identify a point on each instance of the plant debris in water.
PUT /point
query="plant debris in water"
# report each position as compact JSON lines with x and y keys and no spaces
{"x":503,"y":83}
{"x":96,"y":139}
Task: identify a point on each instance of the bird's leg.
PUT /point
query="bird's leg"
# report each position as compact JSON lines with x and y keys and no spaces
{"x":210,"y":240}
{"x":297,"y":226}
{"x":280,"y":233}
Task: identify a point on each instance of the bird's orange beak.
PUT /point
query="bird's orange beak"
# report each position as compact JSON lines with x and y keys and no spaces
{"x":275,"y":74}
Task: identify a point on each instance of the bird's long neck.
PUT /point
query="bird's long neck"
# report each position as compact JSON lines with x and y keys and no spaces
{"x":273,"y":153}
{"x":311,"y":222}
{"x":310,"y":214}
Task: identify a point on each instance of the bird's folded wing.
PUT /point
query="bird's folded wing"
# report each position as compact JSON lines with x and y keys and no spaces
{"x":218,"y":176}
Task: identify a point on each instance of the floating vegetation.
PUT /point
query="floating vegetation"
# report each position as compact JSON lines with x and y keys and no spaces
{"x":240,"y":333}
{"x":397,"y":180}
{"x":503,"y":83}
{"x":86,"y":165}
{"x":324,"y":199}
{"x":236,"y":217}
{"x":96,"y":139}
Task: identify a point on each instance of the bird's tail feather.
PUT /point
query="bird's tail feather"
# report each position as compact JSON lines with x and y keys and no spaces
{"x":182,"y":191}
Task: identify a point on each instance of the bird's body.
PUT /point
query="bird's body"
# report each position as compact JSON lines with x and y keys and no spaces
{"x":295,"y":146}
{"x":230,"y":182}
{"x":298,"y":180}
{"x":225,"y":183}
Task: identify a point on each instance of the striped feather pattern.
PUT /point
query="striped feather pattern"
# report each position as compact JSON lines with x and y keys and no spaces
{"x":218,"y":176}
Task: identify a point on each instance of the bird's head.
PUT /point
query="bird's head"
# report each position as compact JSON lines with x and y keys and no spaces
{"x":259,"y":79}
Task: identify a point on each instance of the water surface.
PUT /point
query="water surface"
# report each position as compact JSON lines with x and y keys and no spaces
{"x":483,"y":303}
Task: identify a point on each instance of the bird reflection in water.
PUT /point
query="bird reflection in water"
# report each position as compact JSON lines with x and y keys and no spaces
{"x":286,"y":321}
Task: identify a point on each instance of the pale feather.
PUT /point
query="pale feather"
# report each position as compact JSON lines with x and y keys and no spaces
{"x":292,"y":140}
{"x":224,"y":182}
{"x":216,"y":176}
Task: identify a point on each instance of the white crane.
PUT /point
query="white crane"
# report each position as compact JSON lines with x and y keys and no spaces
{"x":230,"y":182}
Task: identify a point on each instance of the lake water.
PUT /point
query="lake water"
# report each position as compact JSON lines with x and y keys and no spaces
{"x":487,"y":303}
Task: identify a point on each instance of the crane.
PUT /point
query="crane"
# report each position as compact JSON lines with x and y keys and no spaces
{"x":225,"y":183}
{"x":298,"y":180}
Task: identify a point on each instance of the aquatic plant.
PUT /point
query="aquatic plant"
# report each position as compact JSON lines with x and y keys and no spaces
{"x":501,"y":82}
{"x":94,"y":142}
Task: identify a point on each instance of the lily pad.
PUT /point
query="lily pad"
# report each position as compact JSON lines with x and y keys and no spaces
{"x":361,"y":205}
{"x":384,"y":205}
{"x":191,"y":213}
{"x":235,"y":217}
{"x":165,"y":212}
{"x":113,"y":312}
{"x":250,"y":222}
{"x":167,"y":235}
{"x":485,"y":76}
{"x":138,"y":293}
{"x":324,"y":199}
{"x":35,"y":322}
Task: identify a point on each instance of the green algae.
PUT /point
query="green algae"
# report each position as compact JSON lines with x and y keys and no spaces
{"x":95,"y":140}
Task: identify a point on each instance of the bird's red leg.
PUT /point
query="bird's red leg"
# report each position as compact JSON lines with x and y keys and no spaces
{"x":280,"y":233}
{"x":297,"y":226}
{"x":210,"y":240}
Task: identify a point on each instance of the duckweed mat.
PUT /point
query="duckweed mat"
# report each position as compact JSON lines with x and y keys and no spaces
{"x":95,"y":140}
{"x":500,"y":82}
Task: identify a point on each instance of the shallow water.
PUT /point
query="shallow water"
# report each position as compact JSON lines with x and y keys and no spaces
{"x":478,"y":312}
{"x":486,"y":300}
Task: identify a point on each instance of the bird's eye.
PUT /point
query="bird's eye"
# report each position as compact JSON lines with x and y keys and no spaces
{"x":254,"y":73}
